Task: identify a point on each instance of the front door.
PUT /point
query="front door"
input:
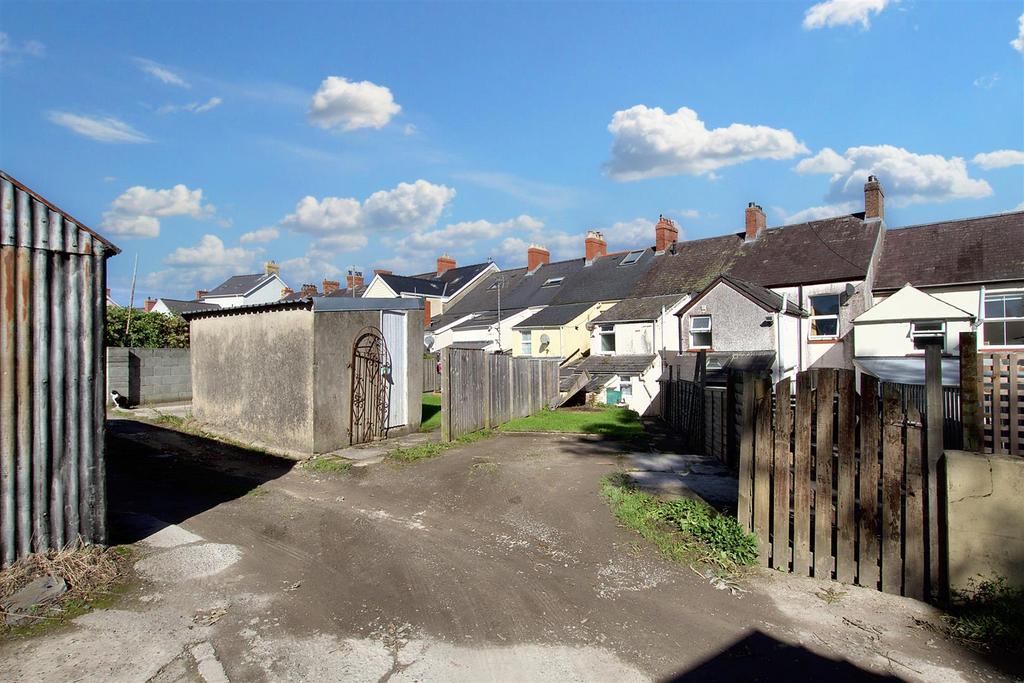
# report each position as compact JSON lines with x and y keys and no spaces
{"x":393,"y":325}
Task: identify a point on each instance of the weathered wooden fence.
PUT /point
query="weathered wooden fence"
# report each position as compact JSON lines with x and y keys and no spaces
{"x":682,"y":407}
{"x":952,"y":421}
{"x":835,"y":488}
{"x":431,"y":377}
{"x":480,"y":390}
{"x":706,"y":418}
{"x":1001,"y":390}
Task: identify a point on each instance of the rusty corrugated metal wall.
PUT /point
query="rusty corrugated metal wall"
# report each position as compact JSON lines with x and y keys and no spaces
{"x":52,"y":402}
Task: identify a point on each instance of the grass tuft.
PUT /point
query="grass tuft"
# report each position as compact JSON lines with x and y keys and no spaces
{"x":328,"y":464}
{"x":436,"y":448}
{"x":988,"y":615}
{"x":683,"y":530}
{"x":485,"y":467}
{"x":611,"y":421}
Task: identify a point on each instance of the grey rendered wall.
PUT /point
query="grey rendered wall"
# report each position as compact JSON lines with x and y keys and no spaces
{"x":335,"y":333}
{"x":150,"y":375}
{"x":252,"y":376}
{"x":736,"y":322}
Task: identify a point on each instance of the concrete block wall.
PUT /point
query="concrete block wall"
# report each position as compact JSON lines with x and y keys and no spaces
{"x":150,"y":375}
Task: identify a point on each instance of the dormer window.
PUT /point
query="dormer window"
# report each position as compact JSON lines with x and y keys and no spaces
{"x":631,"y":258}
{"x":553,"y":282}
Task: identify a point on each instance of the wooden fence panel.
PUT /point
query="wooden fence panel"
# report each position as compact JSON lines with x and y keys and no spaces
{"x":745,"y":499}
{"x":868,"y":530}
{"x":846,"y":479}
{"x":823,"y":474}
{"x":782,"y":461}
{"x":762,"y":467}
{"x":892,"y":501}
{"x":431,"y":377}
{"x":802,"y":477}
{"x":915,"y":522}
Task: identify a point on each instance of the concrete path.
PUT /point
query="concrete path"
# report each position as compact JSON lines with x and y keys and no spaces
{"x":498,"y":561}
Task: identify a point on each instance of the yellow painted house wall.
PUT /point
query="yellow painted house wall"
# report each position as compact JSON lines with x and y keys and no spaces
{"x":569,"y":339}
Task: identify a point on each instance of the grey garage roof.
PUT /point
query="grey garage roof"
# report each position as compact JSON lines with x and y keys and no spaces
{"x":178,"y":306}
{"x":553,"y":316}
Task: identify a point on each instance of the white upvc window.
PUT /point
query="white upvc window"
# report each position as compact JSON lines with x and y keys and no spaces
{"x":526,"y":343}
{"x":606,"y":338}
{"x":923,"y":332}
{"x":626,"y":387}
{"x":700,"y":331}
{"x":1003,"y":323}
{"x":824,"y":316}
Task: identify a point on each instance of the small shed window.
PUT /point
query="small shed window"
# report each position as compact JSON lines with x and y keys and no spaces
{"x":526,"y":343}
{"x":553,"y":282}
{"x":626,"y":387}
{"x":924,"y":333}
{"x":1004,"y":319}
{"x":825,"y":316}
{"x":631,"y":258}
{"x":606,"y":336}
{"x":700,"y":332}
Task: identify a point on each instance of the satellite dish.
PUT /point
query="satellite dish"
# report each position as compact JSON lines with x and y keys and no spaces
{"x":428,"y":339}
{"x":545,"y":339}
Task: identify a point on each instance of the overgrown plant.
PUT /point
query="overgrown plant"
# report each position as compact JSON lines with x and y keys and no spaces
{"x":683,"y":530}
{"x":148,"y":330}
{"x":989,"y":614}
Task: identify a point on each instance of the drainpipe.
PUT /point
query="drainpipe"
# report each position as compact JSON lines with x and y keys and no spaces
{"x":778,"y":334}
{"x":800,"y":332}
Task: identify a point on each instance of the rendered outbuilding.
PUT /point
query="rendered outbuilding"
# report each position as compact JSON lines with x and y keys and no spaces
{"x":309,"y":376}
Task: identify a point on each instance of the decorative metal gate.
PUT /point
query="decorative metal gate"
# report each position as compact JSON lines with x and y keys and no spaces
{"x":371,"y":384}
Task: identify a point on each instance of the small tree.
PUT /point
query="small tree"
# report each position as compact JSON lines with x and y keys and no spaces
{"x":148,"y":330}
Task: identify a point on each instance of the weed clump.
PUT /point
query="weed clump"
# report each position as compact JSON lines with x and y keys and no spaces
{"x":988,"y":615}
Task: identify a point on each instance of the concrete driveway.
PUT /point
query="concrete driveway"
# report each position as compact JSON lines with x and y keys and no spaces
{"x":498,"y":561}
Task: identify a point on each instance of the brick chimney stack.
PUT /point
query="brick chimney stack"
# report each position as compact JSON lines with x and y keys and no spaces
{"x":200,"y":293}
{"x":286,"y":292}
{"x":148,"y":306}
{"x":308,"y":290}
{"x":444,"y":264}
{"x":354,"y":279}
{"x":665,"y":234}
{"x":874,"y":199}
{"x":271,"y":268}
{"x":536,"y":256}
{"x":381,"y":271}
{"x":331,"y":286}
{"x":596,"y":247}
{"x":756,"y":221}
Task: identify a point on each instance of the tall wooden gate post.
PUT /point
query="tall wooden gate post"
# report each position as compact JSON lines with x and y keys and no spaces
{"x":746,"y":464}
{"x":970,"y":398}
{"x":934,"y":444}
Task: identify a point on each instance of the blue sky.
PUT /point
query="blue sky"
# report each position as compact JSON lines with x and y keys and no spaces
{"x":208,"y":138}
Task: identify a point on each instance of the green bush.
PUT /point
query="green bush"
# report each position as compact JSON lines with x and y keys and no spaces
{"x":148,"y":330}
{"x":721,"y":533}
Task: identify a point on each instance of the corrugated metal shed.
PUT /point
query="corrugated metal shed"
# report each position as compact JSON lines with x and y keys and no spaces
{"x":52,"y":403}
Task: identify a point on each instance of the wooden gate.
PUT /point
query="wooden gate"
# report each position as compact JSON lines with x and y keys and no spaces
{"x":371,"y":368}
{"x":833,"y":484}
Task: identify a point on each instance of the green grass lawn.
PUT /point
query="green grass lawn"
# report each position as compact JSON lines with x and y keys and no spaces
{"x":431,"y":412}
{"x":608,"y":421}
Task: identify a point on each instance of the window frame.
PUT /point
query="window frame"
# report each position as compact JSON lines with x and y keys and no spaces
{"x":624,"y":385}
{"x":1004,"y":319}
{"x":603,"y":332}
{"x":526,"y":343}
{"x":916,"y":334}
{"x":709,"y":330}
{"x":827,"y":316}
{"x":553,"y":282}
{"x":635,"y":255}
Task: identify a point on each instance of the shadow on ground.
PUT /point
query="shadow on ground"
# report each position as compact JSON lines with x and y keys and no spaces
{"x":760,"y":657}
{"x":157,"y":476}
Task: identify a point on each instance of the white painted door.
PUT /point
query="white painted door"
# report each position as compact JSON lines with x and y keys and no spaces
{"x":393,"y":326}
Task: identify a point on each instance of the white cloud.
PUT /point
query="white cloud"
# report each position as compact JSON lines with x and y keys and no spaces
{"x":999,"y":159}
{"x":465,"y":233}
{"x":842,"y":13}
{"x":12,"y":52}
{"x":815,"y":213}
{"x":348,"y":105}
{"x":650,"y":143}
{"x":825,"y":161}
{"x":1018,"y":42}
{"x":194,"y":107}
{"x":1019,"y":207}
{"x":688,"y":213}
{"x":907,"y":177}
{"x":410,"y":206}
{"x":986,"y":82}
{"x":204,"y":265}
{"x":331,"y":214}
{"x":161,"y":73}
{"x":312,"y":268}
{"x":261,"y":236}
{"x":137,"y":212}
{"x":105,"y":129}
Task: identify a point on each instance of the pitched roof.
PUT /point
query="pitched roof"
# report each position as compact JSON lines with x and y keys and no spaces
{"x":639,"y":310}
{"x":553,"y":316}
{"x":614,"y":365}
{"x":912,"y":304}
{"x":349,"y":292}
{"x":604,"y":279}
{"x":237,"y":285}
{"x":830,"y":250}
{"x":179,"y":306}
{"x":447,"y":283}
{"x":765,"y":298}
{"x":984,"y":249}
